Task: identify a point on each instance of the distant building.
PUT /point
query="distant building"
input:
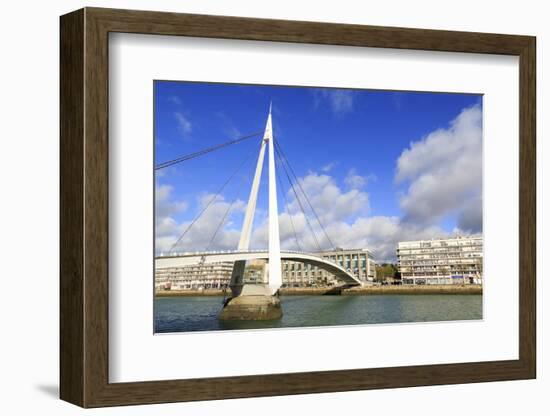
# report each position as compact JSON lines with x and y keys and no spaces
{"x":444,"y":261}
{"x":218,"y":275}
{"x":358,"y":262}
{"x":194,"y":277}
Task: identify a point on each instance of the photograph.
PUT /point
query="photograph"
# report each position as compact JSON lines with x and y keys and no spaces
{"x":299,"y":206}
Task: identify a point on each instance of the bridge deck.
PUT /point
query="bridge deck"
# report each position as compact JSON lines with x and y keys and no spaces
{"x":187,"y":259}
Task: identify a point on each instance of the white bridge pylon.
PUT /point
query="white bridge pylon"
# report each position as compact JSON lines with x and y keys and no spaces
{"x":243,"y":252}
{"x":275,"y":279}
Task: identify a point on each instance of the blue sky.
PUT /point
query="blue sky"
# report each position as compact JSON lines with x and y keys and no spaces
{"x":377,"y":163}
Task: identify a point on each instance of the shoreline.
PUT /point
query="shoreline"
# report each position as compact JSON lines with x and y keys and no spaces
{"x":355,"y":291}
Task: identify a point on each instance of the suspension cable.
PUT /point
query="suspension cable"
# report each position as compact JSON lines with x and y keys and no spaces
{"x":204,"y":151}
{"x":219,"y":227}
{"x":203,"y":258}
{"x":298,"y":200}
{"x":227,"y":211}
{"x":277,"y":145}
{"x":219,"y":191}
{"x":283,"y":192}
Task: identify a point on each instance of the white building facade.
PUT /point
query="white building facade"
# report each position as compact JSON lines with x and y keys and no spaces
{"x":195,"y":277}
{"x":358,"y":262}
{"x":456,"y":260}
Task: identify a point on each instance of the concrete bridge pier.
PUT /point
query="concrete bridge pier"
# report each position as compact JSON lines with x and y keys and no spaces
{"x":254,"y":303}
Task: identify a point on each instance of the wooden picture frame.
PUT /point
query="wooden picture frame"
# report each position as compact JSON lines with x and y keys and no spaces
{"x":84,"y":207}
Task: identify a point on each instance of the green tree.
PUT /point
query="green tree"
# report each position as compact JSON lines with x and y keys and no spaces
{"x":386,"y":270}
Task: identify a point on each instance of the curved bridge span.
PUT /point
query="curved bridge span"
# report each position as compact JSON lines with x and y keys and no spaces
{"x":187,"y":259}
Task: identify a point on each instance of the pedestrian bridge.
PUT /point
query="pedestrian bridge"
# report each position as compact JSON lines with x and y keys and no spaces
{"x":187,"y":259}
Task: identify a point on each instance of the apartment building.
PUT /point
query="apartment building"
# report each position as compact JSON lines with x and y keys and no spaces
{"x":456,"y":260}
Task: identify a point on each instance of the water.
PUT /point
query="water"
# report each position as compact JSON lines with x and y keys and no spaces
{"x":200,"y":313}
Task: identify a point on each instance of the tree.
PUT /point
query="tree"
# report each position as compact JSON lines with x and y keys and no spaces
{"x":386,"y":270}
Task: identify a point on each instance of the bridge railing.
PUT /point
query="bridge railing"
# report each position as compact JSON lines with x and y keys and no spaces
{"x":214,"y":252}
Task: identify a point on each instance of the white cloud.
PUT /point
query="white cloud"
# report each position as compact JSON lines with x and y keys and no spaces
{"x":174,"y":99}
{"x":165,"y":206}
{"x":353,"y":180}
{"x":339,"y":101}
{"x":184,"y":124}
{"x":199,"y":235}
{"x":342,"y":213}
{"x":328,"y":167}
{"x":330,"y":202}
{"x":443,"y":171}
{"x":356,"y":181}
{"x":382,"y":233}
{"x":334,"y":207}
{"x":470,"y":219}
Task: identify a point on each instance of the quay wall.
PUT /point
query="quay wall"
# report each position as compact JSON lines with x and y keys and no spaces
{"x":354,"y":291}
